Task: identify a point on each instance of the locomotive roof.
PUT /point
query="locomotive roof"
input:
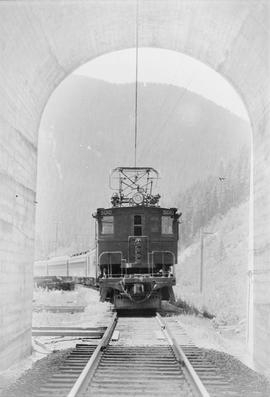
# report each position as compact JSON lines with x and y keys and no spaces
{"x":101,"y":212}
{"x":135,"y":209}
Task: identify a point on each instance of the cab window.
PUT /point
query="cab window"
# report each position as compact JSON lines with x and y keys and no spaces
{"x":107,"y":226}
{"x":137,"y":225}
{"x":155,"y":224}
{"x":166,"y":225}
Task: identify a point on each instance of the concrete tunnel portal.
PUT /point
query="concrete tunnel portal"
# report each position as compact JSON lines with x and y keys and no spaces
{"x":42,"y":43}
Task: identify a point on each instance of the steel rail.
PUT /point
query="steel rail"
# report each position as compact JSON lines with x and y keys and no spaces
{"x":84,"y":378}
{"x":195,"y":381}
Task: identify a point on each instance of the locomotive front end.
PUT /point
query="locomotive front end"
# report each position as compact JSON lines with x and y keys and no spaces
{"x":136,"y":244}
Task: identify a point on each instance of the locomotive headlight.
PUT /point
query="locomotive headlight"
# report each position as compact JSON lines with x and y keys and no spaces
{"x":137,"y":198}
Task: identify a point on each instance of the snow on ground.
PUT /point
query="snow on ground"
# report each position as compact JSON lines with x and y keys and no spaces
{"x":207,"y":334}
{"x":94,"y":315}
{"x":225,"y":268}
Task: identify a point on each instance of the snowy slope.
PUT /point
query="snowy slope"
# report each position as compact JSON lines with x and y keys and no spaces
{"x":225,"y":267}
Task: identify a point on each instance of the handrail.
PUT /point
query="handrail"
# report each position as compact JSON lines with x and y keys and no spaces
{"x":146,"y":275}
{"x":110,"y":253}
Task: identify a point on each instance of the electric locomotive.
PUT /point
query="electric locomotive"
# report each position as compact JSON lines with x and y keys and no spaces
{"x":136,"y":242}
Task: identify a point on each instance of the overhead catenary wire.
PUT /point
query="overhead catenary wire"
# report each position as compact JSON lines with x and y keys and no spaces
{"x":136,"y":85}
{"x":179,"y":99}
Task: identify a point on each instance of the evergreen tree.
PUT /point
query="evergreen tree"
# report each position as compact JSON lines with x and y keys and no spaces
{"x":214,"y":196}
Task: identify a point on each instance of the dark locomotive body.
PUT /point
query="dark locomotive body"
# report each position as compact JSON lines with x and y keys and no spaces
{"x":136,"y":249}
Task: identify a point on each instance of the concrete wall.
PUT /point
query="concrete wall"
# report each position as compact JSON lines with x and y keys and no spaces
{"x":42,"y":42}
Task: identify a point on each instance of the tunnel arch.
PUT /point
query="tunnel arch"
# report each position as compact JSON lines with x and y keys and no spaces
{"x":163,"y":53}
{"x":127,"y":57}
{"x":57,"y":37}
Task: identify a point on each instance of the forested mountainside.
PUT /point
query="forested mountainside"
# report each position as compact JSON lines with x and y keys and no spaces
{"x":216,"y":195}
{"x":88,"y":128}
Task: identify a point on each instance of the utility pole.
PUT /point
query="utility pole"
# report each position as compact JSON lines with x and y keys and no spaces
{"x":56,"y":238}
{"x":202,"y":234}
{"x":201,"y":265}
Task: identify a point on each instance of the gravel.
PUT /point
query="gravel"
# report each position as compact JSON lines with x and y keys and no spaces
{"x":30,"y":382}
{"x":245,"y":381}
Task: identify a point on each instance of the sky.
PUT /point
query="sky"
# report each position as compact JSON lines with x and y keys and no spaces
{"x":168,"y":67}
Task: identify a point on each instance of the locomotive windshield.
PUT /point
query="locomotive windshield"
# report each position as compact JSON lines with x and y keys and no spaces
{"x":138,"y":226}
{"x":107,"y":225}
{"x":166,"y":225}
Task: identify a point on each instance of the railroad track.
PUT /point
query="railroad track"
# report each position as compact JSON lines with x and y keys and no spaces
{"x":142,"y":362}
{"x":152,"y":357}
{"x":75,"y":366}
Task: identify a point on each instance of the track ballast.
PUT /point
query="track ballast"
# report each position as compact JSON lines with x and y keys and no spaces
{"x":140,"y":356}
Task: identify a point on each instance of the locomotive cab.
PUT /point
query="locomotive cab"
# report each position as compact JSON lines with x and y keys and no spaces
{"x":136,"y":243}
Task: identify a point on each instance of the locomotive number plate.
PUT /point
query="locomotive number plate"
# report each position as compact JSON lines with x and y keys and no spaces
{"x":105,"y":212}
